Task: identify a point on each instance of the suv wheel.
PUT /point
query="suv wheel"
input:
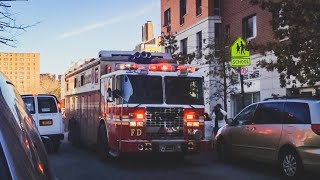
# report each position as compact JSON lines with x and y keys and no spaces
{"x":291,"y":164}
{"x":222,"y":149}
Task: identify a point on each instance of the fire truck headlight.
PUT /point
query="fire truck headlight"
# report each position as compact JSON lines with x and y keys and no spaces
{"x":197,"y":134}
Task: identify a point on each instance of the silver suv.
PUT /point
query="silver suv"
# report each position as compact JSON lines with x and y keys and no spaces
{"x":275,"y":130}
{"x":22,"y":153}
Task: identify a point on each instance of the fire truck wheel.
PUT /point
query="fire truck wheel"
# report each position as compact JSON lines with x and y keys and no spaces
{"x":76,"y":135}
{"x":103,"y":144}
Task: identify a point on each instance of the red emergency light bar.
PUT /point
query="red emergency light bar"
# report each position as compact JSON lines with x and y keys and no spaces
{"x":170,"y":68}
{"x":164,"y":67}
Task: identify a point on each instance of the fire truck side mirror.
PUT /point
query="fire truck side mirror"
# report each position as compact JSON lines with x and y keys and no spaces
{"x":116,"y":93}
{"x":110,"y":97}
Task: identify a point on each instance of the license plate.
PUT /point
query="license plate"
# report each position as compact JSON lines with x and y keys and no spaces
{"x":46,"y":122}
{"x":170,"y":147}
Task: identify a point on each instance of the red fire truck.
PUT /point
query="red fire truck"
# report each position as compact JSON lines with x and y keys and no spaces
{"x":128,"y":101}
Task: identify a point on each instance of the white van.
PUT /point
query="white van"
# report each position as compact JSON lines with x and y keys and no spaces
{"x":46,"y":112}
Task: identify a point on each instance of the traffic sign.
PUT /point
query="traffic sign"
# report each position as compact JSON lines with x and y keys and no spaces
{"x":244,"y":70}
{"x":240,"y":56}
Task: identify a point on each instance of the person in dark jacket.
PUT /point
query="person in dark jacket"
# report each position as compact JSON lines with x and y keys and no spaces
{"x":219,"y":118}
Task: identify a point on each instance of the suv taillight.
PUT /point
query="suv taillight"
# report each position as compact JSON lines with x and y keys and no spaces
{"x":59,"y":107}
{"x":316,"y":128}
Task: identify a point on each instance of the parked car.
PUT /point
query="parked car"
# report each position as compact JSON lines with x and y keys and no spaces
{"x":276,"y":130}
{"x":46,"y":112}
{"x":22,"y":153}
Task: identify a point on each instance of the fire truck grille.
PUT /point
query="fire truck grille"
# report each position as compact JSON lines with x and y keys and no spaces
{"x":164,"y":123}
{"x":164,"y":117}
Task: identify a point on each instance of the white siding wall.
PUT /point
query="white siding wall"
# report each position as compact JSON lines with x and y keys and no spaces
{"x":207,"y":28}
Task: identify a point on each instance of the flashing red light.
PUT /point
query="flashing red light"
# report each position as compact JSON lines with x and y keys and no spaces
{"x":182,"y":68}
{"x":108,"y":69}
{"x":59,"y":107}
{"x":138,"y":115}
{"x":27,"y":143}
{"x":40,"y":167}
{"x":153,"y":67}
{"x":192,"y":69}
{"x":166,"y":67}
{"x":190,"y":116}
{"x":135,"y":66}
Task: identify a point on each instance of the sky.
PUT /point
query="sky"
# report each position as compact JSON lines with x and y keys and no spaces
{"x":66,"y":31}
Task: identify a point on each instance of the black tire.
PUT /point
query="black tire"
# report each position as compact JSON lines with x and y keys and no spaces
{"x":102,"y":143}
{"x":291,"y":164}
{"x":222,"y":150}
{"x":76,"y":135}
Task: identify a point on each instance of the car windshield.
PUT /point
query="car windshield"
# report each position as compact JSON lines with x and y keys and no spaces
{"x":142,"y":89}
{"x":183,"y":90}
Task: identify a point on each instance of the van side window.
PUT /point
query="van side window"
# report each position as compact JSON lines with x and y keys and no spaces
{"x":269,"y":113}
{"x":246,"y":116}
{"x":29,"y":101}
{"x":47,"y":105}
{"x":297,"y":113}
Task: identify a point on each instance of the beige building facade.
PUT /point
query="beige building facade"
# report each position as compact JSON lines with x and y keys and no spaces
{"x":23,"y":69}
{"x":150,"y":43}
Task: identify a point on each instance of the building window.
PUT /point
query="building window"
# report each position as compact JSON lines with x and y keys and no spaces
{"x":167,"y":17}
{"x":82,"y":80}
{"x":183,"y":10}
{"x":96,"y":75}
{"x":199,"y":44}
{"x":217,"y":8}
{"x":249,"y":27}
{"x":167,"y":50}
{"x":217,"y":31}
{"x":67,"y":83}
{"x":75,"y":82}
{"x":198,"y":7}
{"x":184,"y":46}
{"x":227,"y":31}
{"x":249,"y":98}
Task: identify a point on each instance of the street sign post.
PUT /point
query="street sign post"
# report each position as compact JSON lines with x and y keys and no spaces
{"x":240,"y":57}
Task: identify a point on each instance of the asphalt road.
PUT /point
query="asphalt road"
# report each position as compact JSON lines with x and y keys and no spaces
{"x":72,"y":163}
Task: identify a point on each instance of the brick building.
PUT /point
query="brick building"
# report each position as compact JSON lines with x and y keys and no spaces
{"x":241,"y":19}
{"x":198,"y":22}
{"x":23,"y":69}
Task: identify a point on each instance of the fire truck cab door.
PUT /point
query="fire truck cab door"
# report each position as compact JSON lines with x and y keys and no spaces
{"x":111,"y":114}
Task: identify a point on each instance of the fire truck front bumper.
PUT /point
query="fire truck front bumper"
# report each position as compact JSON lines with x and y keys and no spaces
{"x":162,"y":146}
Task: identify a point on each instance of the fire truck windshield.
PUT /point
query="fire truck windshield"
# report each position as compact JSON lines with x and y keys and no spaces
{"x":140,"y":89}
{"x":183,"y":90}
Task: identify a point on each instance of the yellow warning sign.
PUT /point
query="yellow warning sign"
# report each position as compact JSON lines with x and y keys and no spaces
{"x":240,"y":55}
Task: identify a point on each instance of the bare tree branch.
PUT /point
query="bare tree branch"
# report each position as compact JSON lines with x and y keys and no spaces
{"x":9,"y":28}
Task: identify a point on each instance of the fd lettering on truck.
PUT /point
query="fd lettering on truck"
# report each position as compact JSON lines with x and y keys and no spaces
{"x":126,"y":101}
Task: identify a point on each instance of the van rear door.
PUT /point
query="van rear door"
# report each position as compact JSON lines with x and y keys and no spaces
{"x":48,"y":115}
{"x":31,"y":106}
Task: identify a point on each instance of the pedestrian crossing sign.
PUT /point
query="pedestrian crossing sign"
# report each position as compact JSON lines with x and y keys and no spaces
{"x":240,"y":55}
